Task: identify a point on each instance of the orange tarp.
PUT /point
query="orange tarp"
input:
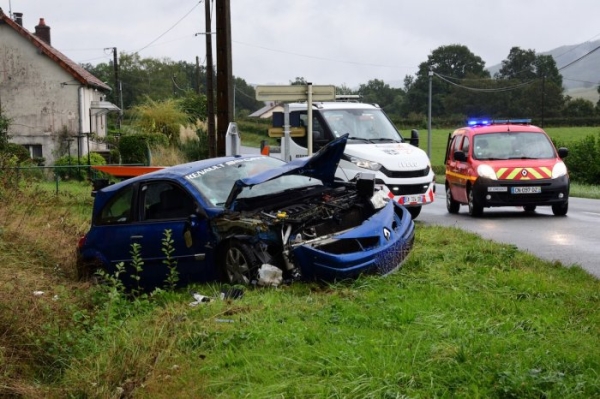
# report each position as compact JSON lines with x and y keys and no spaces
{"x":126,"y":171}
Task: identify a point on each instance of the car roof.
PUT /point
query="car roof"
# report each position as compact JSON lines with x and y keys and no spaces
{"x":180,"y":170}
{"x":333,"y":105}
{"x":498,"y":128}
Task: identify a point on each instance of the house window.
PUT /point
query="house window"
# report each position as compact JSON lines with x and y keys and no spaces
{"x":35,"y":150}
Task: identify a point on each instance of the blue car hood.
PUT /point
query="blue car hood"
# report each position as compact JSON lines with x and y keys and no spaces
{"x":321,"y":165}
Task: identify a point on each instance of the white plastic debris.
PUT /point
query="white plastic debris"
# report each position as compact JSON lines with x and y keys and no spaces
{"x":199,"y":299}
{"x":380,"y":198}
{"x":269,"y":275}
{"x":38,"y":293}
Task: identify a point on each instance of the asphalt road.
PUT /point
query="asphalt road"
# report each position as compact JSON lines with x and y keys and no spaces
{"x":572,"y":240}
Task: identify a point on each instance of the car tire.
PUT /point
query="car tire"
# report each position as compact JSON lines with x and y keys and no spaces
{"x":560,"y":209}
{"x":475,"y":209}
{"x":414,"y":211}
{"x":87,"y":269}
{"x":239,"y":264}
{"x":529,"y":208}
{"x":452,"y":205}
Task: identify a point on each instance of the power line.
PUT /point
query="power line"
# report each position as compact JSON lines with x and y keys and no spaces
{"x":478,"y":89}
{"x":168,"y":30}
{"x":579,"y":59}
{"x":321,"y":58}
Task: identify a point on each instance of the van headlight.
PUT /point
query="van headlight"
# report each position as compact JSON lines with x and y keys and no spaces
{"x":559,"y":169}
{"x":365,"y":163}
{"x":487,"y":172}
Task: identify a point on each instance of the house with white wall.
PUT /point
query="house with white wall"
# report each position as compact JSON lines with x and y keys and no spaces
{"x":55,"y":106}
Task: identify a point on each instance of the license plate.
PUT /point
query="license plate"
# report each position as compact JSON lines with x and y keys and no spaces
{"x":526,"y":190}
{"x":412,"y":199}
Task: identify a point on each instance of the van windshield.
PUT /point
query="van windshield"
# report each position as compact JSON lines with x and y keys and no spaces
{"x":512,"y":145}
{"x":366,"y":125}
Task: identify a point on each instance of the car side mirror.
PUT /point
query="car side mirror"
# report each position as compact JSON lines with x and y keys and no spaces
{"x":563,"y":152}
{"x":460,"y":156}
{"x":414,"y":137}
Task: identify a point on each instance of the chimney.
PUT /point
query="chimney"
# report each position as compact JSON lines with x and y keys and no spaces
{"x":42,"y":31}
{"x":19,"y":18}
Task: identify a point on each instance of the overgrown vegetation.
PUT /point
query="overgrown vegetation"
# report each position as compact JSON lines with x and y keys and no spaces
{"x":464,"y":317}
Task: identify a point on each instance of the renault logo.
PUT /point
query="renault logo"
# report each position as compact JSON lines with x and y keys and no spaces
{"x":524,"y":172}
{"x":387,"y":233}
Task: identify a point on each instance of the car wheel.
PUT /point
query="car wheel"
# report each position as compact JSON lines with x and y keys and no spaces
{"x":239,"y":264}
{"x":474,"y":208}
{"x":560,"y":209}
{"x":529,"y":208}
{"x":86,"y":270}
{"x":452,"y":205}
{"x":414,"y":211}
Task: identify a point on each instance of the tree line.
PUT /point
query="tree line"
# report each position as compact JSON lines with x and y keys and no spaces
{"x":527,"y":85}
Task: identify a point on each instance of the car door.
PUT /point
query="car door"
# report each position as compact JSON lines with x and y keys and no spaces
{"x":457,"y":170}
{"x":165,"y":206}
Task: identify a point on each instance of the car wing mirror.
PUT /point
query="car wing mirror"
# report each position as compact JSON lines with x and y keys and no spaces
{"x":414,"y":137}
{"x":563,"y":152}
{"x":460,"y":156}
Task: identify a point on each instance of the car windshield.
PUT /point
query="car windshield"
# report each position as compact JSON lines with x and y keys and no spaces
{"x":215,"y":182}
{"x":512,"y":145}
{"x":367,"y":125}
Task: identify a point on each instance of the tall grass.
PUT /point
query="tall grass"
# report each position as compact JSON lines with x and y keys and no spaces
{"x":464,"y":317}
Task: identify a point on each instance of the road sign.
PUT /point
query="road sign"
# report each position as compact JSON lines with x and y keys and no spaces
{"x":294,"y":93}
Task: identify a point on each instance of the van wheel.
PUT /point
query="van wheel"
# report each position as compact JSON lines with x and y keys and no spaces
{"x":475,"y":209}
{"x":238,"y":263}
{"x":414,"y":211}
{"x":452,"y":205}
{"x":560,"y":209}
{"x":529,"y":208}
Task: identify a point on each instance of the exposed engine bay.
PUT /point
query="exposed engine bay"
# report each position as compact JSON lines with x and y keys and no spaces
{"x":274,"y":224}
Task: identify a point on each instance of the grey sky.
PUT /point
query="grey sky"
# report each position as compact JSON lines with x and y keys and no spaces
{"x":325,"y":41}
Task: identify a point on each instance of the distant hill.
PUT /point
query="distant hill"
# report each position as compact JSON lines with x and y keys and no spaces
{"x":581,"y":79}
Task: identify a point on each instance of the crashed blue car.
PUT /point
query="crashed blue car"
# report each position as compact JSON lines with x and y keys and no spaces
{"x":227,"y":217}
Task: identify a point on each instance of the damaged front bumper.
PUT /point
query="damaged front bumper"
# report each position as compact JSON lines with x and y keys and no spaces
{"x":378,"y":246}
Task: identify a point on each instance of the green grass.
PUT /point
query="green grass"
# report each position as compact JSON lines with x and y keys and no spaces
{"x":464,"y":317}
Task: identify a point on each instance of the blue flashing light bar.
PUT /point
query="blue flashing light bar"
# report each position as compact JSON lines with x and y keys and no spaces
{"x":479,"y":122}
{"x":488,"y":122}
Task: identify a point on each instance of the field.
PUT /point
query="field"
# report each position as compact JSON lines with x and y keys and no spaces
{"x":464,"y":317}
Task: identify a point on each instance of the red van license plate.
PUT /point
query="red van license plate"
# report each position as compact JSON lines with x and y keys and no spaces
{"x":526,"y":190}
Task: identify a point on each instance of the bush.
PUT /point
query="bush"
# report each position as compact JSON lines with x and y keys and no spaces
{"x":68,"y":167}
{"x":582,"y":161}
{"x":134,"y":147}
{"x":195,"y":150}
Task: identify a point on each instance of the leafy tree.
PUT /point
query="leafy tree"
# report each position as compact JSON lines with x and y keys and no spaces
{"x":524,"y":65}
{"x":194,"y":106}
{"x":451,"y":62}
{"x":344,"y":90}
{"x":542,"y":93}
{"x":578,"y":107}
{"x":245,"y":98}
{"x":378,"y":92}
{"x":298,"y":81}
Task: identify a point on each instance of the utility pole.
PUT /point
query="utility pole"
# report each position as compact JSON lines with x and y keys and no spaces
{"x":118,"y":89}
{"x":224,"y":73}
{"x":210,"y":95}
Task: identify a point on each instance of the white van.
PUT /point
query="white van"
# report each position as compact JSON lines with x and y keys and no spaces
{"x":374,"y":146}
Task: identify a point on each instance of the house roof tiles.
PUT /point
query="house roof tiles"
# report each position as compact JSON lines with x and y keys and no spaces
{"x":77,"y":71}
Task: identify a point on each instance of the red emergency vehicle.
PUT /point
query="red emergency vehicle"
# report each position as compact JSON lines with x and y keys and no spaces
{"x":505,"y":163}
